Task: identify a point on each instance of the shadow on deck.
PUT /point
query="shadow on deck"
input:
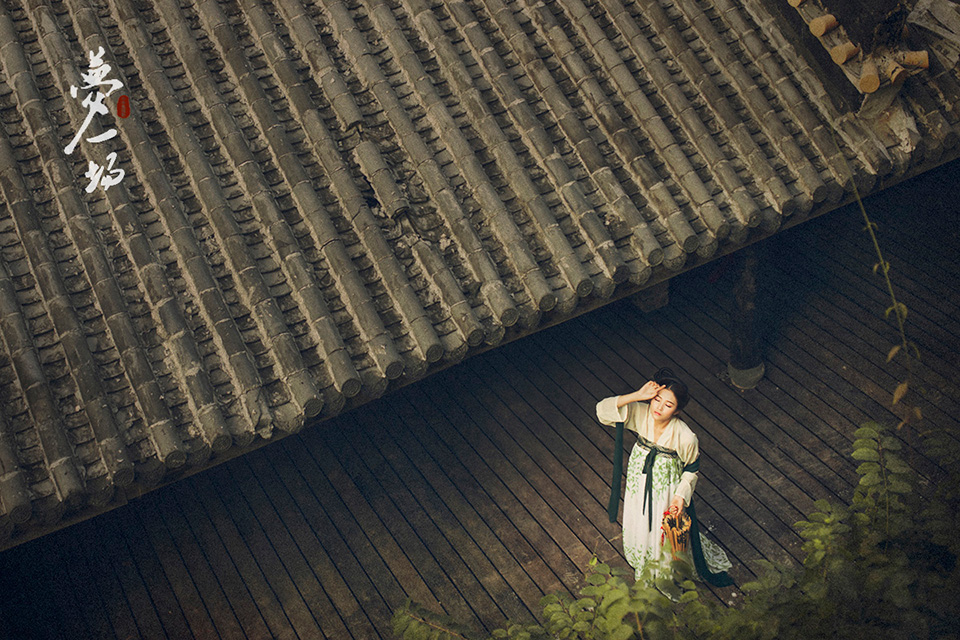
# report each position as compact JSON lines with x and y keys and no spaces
{"x":484,"y":487}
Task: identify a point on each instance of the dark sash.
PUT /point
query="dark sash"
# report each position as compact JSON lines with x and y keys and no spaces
{"x":614,"y":505}
{"x":652,"y":451}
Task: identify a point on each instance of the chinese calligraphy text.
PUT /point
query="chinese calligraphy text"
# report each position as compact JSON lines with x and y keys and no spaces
{"x":99,"y":87}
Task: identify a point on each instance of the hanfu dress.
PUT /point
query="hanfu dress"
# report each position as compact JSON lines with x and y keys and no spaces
{"x":658,"y":470}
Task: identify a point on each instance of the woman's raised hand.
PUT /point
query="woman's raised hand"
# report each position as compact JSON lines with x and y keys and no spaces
{"x":648,"y":391}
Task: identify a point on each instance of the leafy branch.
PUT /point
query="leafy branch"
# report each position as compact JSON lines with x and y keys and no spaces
{"x":412,"y":621}
{"x":906,"y":348}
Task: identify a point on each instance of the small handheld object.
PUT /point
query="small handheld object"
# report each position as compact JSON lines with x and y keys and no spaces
{"x":676,"y":529}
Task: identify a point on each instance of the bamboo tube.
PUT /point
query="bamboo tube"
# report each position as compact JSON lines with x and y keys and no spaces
{"x":869,"y":77}
{"x":843,"y":52}
{"x":823,"y":24}
{"x":914,"y":59}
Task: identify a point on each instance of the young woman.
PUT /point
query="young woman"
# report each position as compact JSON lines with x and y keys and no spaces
{"x":661,"y":475}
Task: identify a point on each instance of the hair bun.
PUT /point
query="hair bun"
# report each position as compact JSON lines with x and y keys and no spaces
{"x":664,"y":374}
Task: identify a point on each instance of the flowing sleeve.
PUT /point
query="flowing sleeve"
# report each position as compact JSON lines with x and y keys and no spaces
{"x":689,"y":452}
{"x":609,"y":414}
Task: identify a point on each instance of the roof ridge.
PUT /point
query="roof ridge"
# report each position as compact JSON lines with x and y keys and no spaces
{"x":821,"y":137}
{"x":924,"y":107}
{"x":869,"y":148}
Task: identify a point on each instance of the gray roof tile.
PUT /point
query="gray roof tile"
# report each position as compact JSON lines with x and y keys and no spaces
{"x":325,"y":199}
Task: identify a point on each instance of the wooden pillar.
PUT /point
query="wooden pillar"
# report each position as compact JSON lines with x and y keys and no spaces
{"x":746,"y":364}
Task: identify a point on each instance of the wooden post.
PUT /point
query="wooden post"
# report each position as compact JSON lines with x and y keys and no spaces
{"x":746,"y":364}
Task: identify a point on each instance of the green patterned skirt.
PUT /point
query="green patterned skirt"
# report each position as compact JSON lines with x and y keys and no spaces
{"x":642,"y":539}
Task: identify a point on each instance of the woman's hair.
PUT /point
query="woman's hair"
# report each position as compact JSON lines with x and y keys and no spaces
{"x":666,"y":377}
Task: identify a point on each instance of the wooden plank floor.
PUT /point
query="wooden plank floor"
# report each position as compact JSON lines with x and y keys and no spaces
{"x":484,"y":487}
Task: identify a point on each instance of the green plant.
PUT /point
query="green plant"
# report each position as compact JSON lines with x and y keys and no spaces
{"x":412,"y":621}
{"x":611,"y":606}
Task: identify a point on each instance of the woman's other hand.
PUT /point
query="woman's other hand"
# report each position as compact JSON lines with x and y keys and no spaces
{"x":676,"y":505}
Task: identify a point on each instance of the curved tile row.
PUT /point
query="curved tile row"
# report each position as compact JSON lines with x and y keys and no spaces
{"x":326,"y":198}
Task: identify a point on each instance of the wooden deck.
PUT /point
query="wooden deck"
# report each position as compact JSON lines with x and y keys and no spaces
{"x":484,"y":487}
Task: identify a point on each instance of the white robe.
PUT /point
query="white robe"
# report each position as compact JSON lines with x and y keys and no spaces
{"x":641,"y":539}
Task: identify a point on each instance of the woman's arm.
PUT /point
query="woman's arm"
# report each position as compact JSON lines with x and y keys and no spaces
{"x":689,"y":452}
{"x":621,"y":408}
{"x":647,"y":392}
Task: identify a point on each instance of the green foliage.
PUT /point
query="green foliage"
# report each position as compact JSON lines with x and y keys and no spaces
{"x":611,"y":606}
{"x":413,"y":622}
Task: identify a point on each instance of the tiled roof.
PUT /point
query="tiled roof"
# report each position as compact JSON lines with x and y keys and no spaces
{"x":321,"y":200}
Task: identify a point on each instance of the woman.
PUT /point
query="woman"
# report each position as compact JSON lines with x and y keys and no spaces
{"x":661,"y":475}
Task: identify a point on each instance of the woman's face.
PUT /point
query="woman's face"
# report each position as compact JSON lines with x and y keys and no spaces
{"x":663,"y":405}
